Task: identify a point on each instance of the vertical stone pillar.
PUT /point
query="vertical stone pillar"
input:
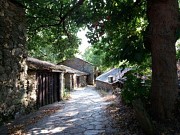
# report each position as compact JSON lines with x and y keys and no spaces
{"x":12,"y":57}
{"x":62,"y":82}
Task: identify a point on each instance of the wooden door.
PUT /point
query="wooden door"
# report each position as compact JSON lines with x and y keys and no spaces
{"x":48,"y":90}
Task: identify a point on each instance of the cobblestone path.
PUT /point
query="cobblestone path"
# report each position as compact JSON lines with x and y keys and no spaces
{"x":83,"y":114}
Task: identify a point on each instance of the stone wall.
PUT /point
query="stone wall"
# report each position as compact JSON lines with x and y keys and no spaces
{"x":82,"y":81}
{"x":106,"y":86}
{"x":68,"y":81}
{"x":43,"y":82}
{"x":30,"y":96}
{"x":75,"y":81}
{"x":12,"y":57}
{"x":62,"y":82}
{"x":103,"y":85}
{"x":71,"y":81}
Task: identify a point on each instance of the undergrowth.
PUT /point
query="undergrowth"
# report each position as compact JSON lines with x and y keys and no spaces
{"x":137,"y":86}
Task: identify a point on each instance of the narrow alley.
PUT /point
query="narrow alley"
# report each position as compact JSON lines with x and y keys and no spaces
{"x":83,"y":114}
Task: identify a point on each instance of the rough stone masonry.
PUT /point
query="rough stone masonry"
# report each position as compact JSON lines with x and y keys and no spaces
{"x":12,"y":57}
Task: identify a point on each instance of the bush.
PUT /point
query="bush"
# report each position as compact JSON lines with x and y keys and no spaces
{"x":66,"y":94}
{"x":136,"y":88}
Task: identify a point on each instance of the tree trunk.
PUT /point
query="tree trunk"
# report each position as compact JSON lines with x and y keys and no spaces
{"x":163,"y":23}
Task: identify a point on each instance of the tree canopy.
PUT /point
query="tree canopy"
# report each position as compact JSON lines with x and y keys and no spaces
{"x":52,"y":28}
{"x":118,"y":30}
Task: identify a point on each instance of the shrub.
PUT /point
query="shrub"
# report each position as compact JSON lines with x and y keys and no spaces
{"x":66,"y":94}
{"x":136,"y":88}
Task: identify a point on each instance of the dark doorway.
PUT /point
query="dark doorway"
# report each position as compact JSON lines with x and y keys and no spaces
{"x":78,"y":81}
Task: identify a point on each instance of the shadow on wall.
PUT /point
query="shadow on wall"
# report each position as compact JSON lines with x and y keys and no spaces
{"x":12,"y":58}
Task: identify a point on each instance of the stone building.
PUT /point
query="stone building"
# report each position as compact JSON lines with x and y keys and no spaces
{"x":111,"y":79}
{"x":12,"y":58}
{"x":74,"y":78}
{"x":81,"y":65}
{"x":45,"y":83}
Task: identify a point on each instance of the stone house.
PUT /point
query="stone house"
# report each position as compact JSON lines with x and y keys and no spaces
{"x":111,"y":79}
{"x":74,"y":78}
{"x":45,"y":83}
{"x":81,"y":65}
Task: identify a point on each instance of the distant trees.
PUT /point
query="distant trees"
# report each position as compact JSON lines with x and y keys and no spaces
{"x":93,"y":56}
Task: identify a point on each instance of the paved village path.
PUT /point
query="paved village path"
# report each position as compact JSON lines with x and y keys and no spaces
{"x":83,"y":114}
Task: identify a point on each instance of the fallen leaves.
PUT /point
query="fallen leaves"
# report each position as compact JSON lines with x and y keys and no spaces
{"x":19,"y":129}
{"x":122,"y":116}
{"x":124,"y":119}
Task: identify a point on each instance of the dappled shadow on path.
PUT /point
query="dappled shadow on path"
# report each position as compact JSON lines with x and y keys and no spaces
{"x":83,"y":114}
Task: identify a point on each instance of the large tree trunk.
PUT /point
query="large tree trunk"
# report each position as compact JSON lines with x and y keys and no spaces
{"x":163,"y":22}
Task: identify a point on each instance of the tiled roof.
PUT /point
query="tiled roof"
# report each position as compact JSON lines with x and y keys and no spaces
{"x":74,"y":59}
{"x":37,"y":64}
{"x":116,"y":73}
{"x":72,"y":70}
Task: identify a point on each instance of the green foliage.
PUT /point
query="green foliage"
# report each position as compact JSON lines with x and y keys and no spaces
{"x":5,"y":118}
{"x":116,"y":28}
{"x":118,"y":31}
{"x":95,"y":58}
{"x":45,"y":46}
{"x":135,"y":87}
{"x":66,"y":94}
{"x":52,"y":28}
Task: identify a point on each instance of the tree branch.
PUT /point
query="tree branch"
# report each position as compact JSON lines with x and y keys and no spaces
{"x":62,"y":18}
{"x":65,"y":31}
{"x":80,"y":2}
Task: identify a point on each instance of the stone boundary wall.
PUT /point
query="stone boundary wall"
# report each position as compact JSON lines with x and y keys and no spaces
{"x":103,"y":85}
{"x":13,"y":54}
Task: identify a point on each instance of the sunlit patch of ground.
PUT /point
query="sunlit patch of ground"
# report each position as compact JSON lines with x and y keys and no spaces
{"x":19,"y":128}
